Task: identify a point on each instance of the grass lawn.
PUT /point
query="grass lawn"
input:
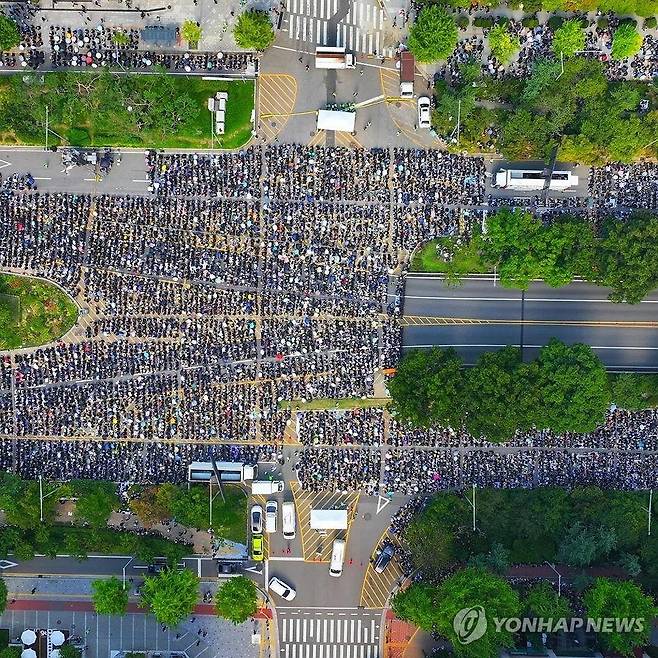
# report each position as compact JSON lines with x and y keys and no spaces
{"x":32,"y":312}
{"x":334,"y":403}
{"x":99,"y":109}
{"x":239,"y":107}
{"x":466,"y":260}
{"x":4,"y":638}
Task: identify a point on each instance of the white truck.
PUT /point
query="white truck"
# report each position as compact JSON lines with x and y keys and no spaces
{"x":266,"y":487}
{"x":328,"y":57}
{"x":407,"y":74}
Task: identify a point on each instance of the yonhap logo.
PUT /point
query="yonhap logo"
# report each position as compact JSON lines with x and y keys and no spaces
{"x":470,"y":624}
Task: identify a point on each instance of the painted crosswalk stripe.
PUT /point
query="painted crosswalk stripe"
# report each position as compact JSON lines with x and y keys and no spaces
{"x":377,"y":51}
{"x":324,"y":33}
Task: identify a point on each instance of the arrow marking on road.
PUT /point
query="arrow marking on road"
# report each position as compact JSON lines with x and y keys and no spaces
{"x":381,"y":503}
{"x":6,"y":564}
{"x":4,"y":164}
{"x":255,"y":570}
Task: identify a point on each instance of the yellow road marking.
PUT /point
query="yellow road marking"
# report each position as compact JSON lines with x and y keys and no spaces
{"x":277,"y":94}
{"x":377,"y":587}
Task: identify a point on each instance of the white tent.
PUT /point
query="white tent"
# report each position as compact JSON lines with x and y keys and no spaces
{"x":57,"y":638}
{"x":334,"y":120}
{"x":328,"y":519}
{"x":28,"y":637}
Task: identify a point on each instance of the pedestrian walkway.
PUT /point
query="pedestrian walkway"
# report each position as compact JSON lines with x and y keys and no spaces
{"x":328,"y":635}
{"x":361,"y":30}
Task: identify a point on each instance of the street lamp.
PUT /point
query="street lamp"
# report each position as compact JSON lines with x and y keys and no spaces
{"x":559,"y":578}
{"x":41,"y":496}
{"x":123,"y":572}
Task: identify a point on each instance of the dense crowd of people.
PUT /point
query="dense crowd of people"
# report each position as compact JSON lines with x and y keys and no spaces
{"x":250,"y":279}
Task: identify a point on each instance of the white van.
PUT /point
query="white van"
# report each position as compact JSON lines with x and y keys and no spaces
{"x":288,"y":517}
{"x":337,"y":558}
{"x":266,"y":487}
{"x":271,"y":512}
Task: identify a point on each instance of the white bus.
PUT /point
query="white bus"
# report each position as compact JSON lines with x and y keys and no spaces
{"x":327,"y":57}
{"x":228,"y":471}
{"x":530,"y":180}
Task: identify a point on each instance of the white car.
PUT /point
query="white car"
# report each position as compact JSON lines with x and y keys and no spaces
{"x":424,"y":112}
{"x":271,"y":512}
{"x":256,"y":517}
{"x":284,"y":591}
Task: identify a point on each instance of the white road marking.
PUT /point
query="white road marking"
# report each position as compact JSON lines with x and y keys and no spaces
{"x":527,"y":299}
{"x":594,"y":347}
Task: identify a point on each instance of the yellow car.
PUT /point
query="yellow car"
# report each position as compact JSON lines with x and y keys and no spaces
{"x":257,"y":548}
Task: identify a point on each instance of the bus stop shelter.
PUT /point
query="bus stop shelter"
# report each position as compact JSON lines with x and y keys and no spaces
{"x":336,"y":120}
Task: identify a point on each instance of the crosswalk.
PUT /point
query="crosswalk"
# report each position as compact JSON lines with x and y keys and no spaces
{"x":360,"y":31}
{"x":328,"y":636}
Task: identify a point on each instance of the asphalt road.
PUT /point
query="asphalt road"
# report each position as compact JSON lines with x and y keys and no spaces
{"x":495,"y":316}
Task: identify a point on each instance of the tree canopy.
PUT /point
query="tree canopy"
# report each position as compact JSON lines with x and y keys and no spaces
{"x":191,"y":32}
{"x":96,"y":502}
{"x":171,"y":595}
{"x":433,"y":35}
{"x":566,"y":389}
{"x":627,"y":257}
{"x":542,"y":600}
{"x":569,"y":38}
{"x":417,"y":604}
{"x":109,"y":596}
{"x":473,"y":589}
{"x":10,"y":35}
{"x":621,"y":600}
{"x":253,"y":29}
{"x":503,"y":45}
{"x":425,"y":389}
{"x":626,"y":41}
{"x":237,"y":599}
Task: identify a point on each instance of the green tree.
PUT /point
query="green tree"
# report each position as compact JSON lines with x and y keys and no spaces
{"x":10,"y":652}
{"x":629,"y":390}
{"x":191,"y":32}
{"x":171,"y":595}
{"x":426,"y":387}
{"x":543,"y":601}
{"x":3,"y":596}
{"x":499,"y":395}
{"x":69,"y":651}
{"x":626,"y":257}
{"x":237,"y":599}
{"x":431,"y":536}
{"x":417,"y":604}
{"x":476,"y":589}
{"x":253,"y":30}
{"x":573,"y":386}
{"x":626,"y":41}
{"x":96,"y":502}
{"x":10,"y":35}
{"x":513,"y":242}
{"x":582,"y":546}
{"x":153,"y":505}
{"x":109,"y":597}
{"x":621,"y":600}
{"x":497,"y":560}
{"x":502,"y":44}
{"x":569,"y":38}
{"x":433,"y":36}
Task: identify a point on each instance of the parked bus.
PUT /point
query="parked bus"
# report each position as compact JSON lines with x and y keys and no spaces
{"x":530,"y":180}
{"x":228,"y":471}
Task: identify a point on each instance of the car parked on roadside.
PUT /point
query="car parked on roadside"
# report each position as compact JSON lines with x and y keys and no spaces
{"x":424,"y":112}
{"x":256,"y":518}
